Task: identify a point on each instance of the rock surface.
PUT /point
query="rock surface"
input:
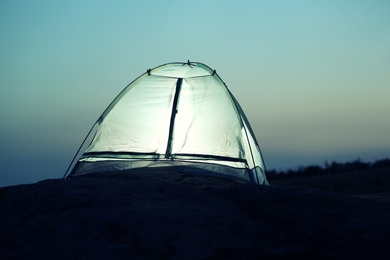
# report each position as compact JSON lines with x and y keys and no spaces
{"x":162,"y":214}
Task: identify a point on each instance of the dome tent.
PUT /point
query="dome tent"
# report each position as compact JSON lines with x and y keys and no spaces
{"x":177,"y":114}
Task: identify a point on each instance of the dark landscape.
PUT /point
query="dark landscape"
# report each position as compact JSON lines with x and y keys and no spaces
{"x":355,"y":177}
{"x":175,"y":215}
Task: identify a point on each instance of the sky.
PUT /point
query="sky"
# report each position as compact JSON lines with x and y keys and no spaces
{"x":313,"y":77}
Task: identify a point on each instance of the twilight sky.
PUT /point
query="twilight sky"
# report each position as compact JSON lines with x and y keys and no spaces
{"x":313,"y":77}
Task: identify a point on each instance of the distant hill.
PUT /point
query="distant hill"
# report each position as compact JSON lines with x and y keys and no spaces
{"x":162,"y":214}
{"x":352,"y":177}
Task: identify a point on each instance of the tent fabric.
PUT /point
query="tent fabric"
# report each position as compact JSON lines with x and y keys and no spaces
{"x":175,"y":114}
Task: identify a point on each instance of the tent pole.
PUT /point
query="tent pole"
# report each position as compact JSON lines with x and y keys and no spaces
{"x":168,"y":152}
{"x":78,"y":151}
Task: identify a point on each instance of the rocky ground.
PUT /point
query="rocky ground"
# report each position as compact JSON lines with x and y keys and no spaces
{"x":172,"y":215}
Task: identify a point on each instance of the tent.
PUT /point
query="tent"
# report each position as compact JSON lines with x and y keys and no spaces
{"x":175,"y":115}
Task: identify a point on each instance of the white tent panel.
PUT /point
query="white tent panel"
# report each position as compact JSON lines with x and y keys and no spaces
{"x":206,"y":122}
{"x":139,"y":122}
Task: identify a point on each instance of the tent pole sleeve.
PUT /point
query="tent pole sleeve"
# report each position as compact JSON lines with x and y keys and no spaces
{"x":173,"y":116}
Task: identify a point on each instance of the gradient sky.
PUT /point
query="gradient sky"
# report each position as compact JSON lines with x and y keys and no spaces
{"x":313,"y":77}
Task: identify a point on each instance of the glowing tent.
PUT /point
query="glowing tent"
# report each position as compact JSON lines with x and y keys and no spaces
{"x":177,"y":114}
